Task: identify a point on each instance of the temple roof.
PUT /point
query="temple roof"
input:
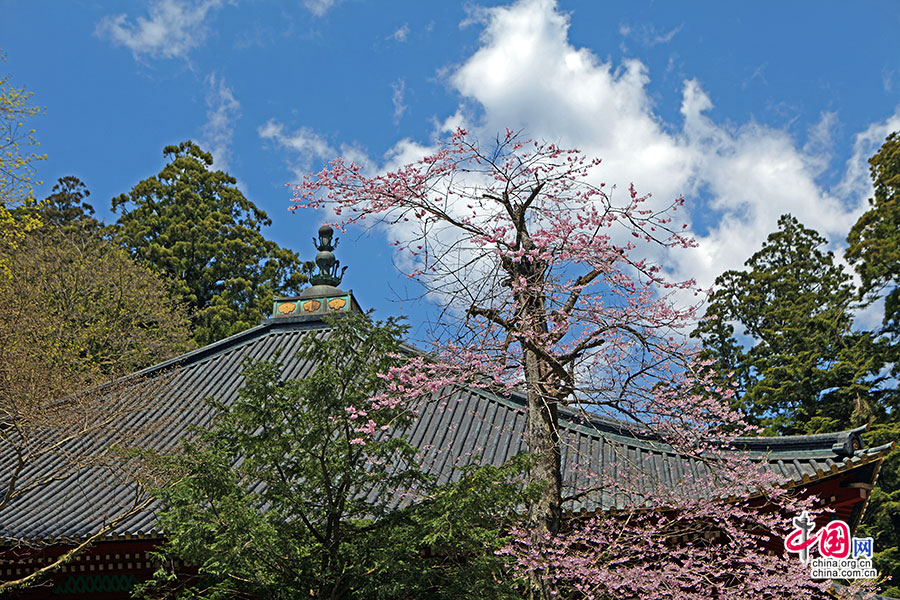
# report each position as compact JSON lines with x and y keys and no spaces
{"x":468,"y":425}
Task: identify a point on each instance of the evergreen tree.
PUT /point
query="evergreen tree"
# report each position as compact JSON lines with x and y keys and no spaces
{"x":65,"y":208}
{"x":268,"y":502}
{"x":194,"y":225}
{"x":66,"y":205}
{"x":874,"y":241}
{"x":783,"y":330}
{"x":874,"y":250}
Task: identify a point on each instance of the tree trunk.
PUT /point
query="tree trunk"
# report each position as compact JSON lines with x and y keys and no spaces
{"x":542,"y":438}
{"x":542,"y":435}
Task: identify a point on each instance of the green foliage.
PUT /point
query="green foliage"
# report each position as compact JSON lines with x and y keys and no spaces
{"x":66,"y":205}
{"x":64,"y":209}
{"x":284,"y":498}
{"x":875,"y":238}
{"x":874,"y":250}
{"x":17,"y":142}
{"x":443,"y":547}
{"x":805,"y":370}
{"x":78,"y":311}
{"x":874,"y":241}
{"x":17,"y":158}
{"x":882,"y":518}
{"x":194,"y":225}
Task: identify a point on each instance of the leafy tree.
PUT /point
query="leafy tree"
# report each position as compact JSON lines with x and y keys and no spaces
{"x":195,"y":226}
{"x":83,"y":300}
{"x":64,"y":210}
{"x":874,"y":250}
{"x":805,"y":369}
{"x":79,"y":311}
{"x":17,"y":158}
{"x":17,"y":144}
{"x":882,"y":518}
{"x":519,"y":239}
{"x":283,"y":498}
{"x":874,"y":240}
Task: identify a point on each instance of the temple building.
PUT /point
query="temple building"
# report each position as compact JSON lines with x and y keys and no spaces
{"x":70,"y":507}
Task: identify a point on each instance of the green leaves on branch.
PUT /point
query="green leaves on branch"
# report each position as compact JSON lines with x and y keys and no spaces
{"x":194,"y":225}
{"x":17,"y":143}
{"x":875,"y":238}
{"x":444,"y":546}
{"x":17,"y":158}
{"x":66,"y":206}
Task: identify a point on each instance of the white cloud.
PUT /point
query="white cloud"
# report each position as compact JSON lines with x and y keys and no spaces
{"x":856,"y":183}
{"x":753,"y":175}
{"x":648,"y":35}
{"x":737,"y":179}
{"x":222,"y":110}
{"x":304,"y":144}
{"x":401,"y":34}
{"x":320,"y":7}
{"x":173,"y":29}
{"x":527,"y":75}
{"x":889,"y":79}
{"x":820,"y":142}
{"x":399,"y":89}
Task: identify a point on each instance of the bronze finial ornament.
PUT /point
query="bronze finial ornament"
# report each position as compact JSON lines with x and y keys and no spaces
{"x":328,"y":265}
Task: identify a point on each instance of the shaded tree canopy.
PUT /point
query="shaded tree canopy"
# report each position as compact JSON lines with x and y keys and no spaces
{"x":194,"y":225}
{"x":798,"y":365}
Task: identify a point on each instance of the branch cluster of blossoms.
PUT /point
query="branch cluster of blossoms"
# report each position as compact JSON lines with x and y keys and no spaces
{"x":712,"y":530}
{"x":535,"y":259}
{"x":703,"y":550}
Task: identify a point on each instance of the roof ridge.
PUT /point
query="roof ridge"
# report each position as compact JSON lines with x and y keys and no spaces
{"x":213,"y":349}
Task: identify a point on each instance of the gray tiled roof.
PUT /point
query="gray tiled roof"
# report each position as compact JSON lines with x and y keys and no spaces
{"x":470,"y":425}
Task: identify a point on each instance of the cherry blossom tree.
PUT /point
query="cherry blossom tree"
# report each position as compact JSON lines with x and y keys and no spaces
{"x":546,"y":283}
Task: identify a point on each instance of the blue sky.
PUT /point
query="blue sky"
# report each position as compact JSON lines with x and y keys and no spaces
{"x":749,"y":110}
